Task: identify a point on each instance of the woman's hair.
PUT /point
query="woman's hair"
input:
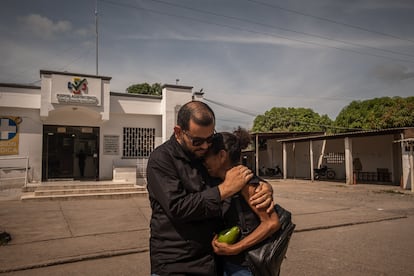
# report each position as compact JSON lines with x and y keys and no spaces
{"x":233,"y":143}
{"x":197,"y":111}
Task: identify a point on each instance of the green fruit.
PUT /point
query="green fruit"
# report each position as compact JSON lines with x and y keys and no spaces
{"x":230,"y":235}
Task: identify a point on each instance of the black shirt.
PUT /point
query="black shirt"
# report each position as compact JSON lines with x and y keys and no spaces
{"x":185,"y":212}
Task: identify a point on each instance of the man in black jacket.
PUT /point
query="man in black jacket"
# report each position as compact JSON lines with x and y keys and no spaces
{"x":185,"y":209}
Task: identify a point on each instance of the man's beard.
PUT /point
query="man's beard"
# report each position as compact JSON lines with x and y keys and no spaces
{"x":190,"y":153}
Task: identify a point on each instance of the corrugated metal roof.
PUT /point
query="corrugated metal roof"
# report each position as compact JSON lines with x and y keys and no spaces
{"x":274,"y":135}
{"x":349,"y":134}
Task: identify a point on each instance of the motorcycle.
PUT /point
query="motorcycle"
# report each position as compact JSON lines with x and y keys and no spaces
{"x":271,"y":171}
{"x":324,"y":171}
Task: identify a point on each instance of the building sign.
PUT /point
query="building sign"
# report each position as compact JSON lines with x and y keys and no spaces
{"x":79,"y":91}
{"x":111,"y":144}
{"x":9,"y":135}
{"x":78,"y":86}
{"x":76,"y":99}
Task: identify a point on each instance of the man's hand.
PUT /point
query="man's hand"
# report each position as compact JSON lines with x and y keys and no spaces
{"x":235,"y":180}
{"x":263,"y":197}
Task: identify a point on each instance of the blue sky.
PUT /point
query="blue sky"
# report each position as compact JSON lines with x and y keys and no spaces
{"x":249,"y":54}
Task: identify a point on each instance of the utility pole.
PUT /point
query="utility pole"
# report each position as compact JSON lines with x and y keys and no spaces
{"x":96,"y":32}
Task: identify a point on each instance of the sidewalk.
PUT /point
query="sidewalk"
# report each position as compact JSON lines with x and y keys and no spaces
{"x":59,"y":232}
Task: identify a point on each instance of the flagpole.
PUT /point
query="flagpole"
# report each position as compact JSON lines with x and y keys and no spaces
{"x":96,"y":32}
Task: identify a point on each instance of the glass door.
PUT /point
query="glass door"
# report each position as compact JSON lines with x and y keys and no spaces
{"x":59,"y":156}
{"x":70,"y":152}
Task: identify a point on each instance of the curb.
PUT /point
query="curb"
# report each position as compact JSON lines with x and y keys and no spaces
{"x":347,"y":224}
{"x":75,"y":259}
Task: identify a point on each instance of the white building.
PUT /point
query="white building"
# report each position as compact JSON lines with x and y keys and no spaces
{"x":72,"y":117}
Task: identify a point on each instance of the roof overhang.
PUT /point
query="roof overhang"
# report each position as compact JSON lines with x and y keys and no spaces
{"x":349,"y":134}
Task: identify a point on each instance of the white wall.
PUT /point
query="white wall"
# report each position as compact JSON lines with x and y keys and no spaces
{"x":135,"y":105}
{"x":336,"y":146}
{"x":19,"y":97}
{"x":172,"y":98}
{"x":30,"y":138}
{"x":115,"y":127}
{"x":374,"y":152}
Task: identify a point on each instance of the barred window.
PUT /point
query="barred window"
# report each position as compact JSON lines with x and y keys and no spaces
{"x":335,"y":157}
{"x":138,"y":142}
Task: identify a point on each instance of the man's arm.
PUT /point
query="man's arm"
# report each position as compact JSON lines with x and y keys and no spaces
{"x":180,"y":202}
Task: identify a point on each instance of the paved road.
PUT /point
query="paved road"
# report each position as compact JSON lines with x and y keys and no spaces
{"x":341,"y":230}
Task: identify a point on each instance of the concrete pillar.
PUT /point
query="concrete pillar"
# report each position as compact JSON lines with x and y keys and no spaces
{"x":348,"y":161}
{"x":284,"y":161}
{"x":257,"y":154}
{"x":411,"y":168}
{"x":311,"y":159}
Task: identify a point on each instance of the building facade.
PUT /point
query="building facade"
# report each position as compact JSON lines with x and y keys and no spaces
{"x":74,"y":127}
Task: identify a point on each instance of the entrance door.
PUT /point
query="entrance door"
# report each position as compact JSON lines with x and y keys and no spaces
{"x":86,"y":156}
{"x":70,"y":152}
{"x":59,"y":162}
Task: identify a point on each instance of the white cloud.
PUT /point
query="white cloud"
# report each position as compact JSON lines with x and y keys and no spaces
{"x":44,"y":27}
{"x":233,"y":38}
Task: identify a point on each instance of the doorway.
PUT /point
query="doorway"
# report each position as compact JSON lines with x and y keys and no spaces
{"x":70,"y":153}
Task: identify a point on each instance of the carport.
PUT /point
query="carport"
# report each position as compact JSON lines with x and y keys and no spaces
{"x":355,"y":157}
{"x":267,"y":151}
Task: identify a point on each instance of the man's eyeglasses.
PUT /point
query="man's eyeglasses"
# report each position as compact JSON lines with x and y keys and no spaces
{"x":197,"y":141}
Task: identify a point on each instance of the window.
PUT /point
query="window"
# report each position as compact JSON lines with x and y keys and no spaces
{"x":335,"y":157}
{"x":138,"y":142}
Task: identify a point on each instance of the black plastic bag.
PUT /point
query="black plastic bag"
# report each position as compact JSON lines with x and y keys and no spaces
{"x":265,"y":258}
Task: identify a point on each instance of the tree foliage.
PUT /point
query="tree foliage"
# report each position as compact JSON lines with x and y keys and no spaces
{"x":280,"y":119}
{"x":145,"y":88}
{"x":378,"y":113}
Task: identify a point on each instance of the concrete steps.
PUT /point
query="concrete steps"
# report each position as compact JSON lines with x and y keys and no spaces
{"x":81,"y":190}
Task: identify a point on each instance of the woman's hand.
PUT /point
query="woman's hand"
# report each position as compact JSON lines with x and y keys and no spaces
{"x":222,"y":248}
{"x":263,"y":197}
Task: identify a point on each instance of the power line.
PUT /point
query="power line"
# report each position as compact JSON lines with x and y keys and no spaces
{"x":252,"y":31}
{"x":238,"y":109}
{"x":244,"y":111}
{"x":329,"y":20}
{"x":84,"y":53}
{"x":316,"y":98}
{"x":280,"y":28}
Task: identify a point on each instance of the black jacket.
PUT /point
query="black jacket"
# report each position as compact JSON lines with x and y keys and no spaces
{"x":185,"y":213}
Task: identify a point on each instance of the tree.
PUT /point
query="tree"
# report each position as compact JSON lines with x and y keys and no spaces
{"x":291,"y":119}
{"x":378,"y":113}
{"x":145,"y":88}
